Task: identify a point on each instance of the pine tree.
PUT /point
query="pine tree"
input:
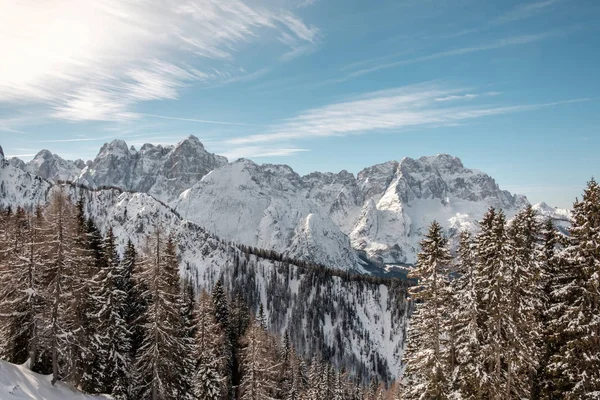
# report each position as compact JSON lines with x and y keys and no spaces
{"x":576,"y":312}
{"x":84,"y":364}
{"x":112,"y":342}
{"x":222,"y":316}
{"x":522,"y":327}
{"x":492,"y":270}
{"x":543,"y":385}
{"x":210,"y":380}
{"x":163,"y":365}
{"x":426,"y":363}
{"x":468,"y":333}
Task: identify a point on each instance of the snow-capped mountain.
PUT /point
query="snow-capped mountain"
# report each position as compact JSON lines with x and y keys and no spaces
{"x":334,"y":219}
{"x":50,"y":166}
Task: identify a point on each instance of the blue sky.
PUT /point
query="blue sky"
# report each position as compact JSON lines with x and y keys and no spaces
{"x":510,"y":87}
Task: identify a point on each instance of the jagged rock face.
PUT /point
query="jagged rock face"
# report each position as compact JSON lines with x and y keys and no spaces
{"x":161,"y":171}
{"x":49,"y":166}
{"x":20,"y":188}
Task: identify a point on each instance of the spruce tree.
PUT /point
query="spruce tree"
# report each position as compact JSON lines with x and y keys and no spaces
{"x":543,"y":385}
{"x":426,"y":361}
{"x":466,"y":316}
{"x":522,"y":326}
{"x":222,"y":316}
{"x":576,"y":313}
{"x":112,"y":341}
{"x":490,"y":281}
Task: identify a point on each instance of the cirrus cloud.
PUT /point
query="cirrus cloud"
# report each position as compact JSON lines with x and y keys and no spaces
{"x":96,"y":59}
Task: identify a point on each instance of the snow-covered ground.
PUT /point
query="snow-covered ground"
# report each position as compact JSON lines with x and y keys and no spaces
{"x":17,"y":382}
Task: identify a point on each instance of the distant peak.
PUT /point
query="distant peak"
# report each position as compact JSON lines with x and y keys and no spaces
{"x":118,"y":143}
{"x":116,"y":147}
{"x":443,"y":160}
{"x":191,"y":139}
{"x":45,"y":154}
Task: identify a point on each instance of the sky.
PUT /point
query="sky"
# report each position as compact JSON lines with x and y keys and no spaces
{"x":512,"y":88}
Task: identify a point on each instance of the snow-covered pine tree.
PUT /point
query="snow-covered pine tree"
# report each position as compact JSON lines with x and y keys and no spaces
{"x":258,"y":365}
{"x":111,"y":343}
{"x":543,"y":384}
{"x":490,"y":281}
{"x":163,"y":365}
{"x":465,"y":384}
{"x":425,"y":358}
{"x":522,"y":324}
{"x":210,"y":378}
{"x":136,"y":304}
{"x":84,"y":365}
{"x":576,"y":312}
{"x":240,"y":320}
{"x":223,"y":318}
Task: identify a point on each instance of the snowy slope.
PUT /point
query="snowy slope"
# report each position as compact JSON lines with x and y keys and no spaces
{"x":18,"y":187}
{"x":17,"y":382}
{"x":264,"y":206}
{"x":364,"y":321}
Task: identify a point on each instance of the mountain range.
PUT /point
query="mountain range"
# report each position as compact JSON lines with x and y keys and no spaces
{"x":375,"y":218}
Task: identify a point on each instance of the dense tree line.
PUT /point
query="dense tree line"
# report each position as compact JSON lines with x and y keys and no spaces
{"x":515,"y":314}
{"x":128,"y":325}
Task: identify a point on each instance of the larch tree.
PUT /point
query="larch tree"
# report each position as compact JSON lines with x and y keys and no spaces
{"x":258,"y":365}
{"x":58,"y":255}
{"x":425,"y":358}
{"x":17,"y":288}
{"x":210,"y":376}
{"x":163,"y":363}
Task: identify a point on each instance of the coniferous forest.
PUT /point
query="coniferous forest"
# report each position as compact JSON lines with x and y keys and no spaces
{"x":512,"y":313}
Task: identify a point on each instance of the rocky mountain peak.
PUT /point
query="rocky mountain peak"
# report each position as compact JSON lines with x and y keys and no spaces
{"x":190,"y":141}
{"x":1,"y":153}
{"x":117,"y":148}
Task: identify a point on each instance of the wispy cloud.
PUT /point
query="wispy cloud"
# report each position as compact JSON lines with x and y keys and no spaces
{"x":203,"y":121}
{"x":96,"y":59}
{"x":261,"y":152}
{"x":524,"y":11}
{"x":498,"y":44}
{"x":396,"y":109}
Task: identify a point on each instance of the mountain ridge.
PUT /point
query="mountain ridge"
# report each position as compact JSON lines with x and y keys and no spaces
{"x":380,"y":212}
